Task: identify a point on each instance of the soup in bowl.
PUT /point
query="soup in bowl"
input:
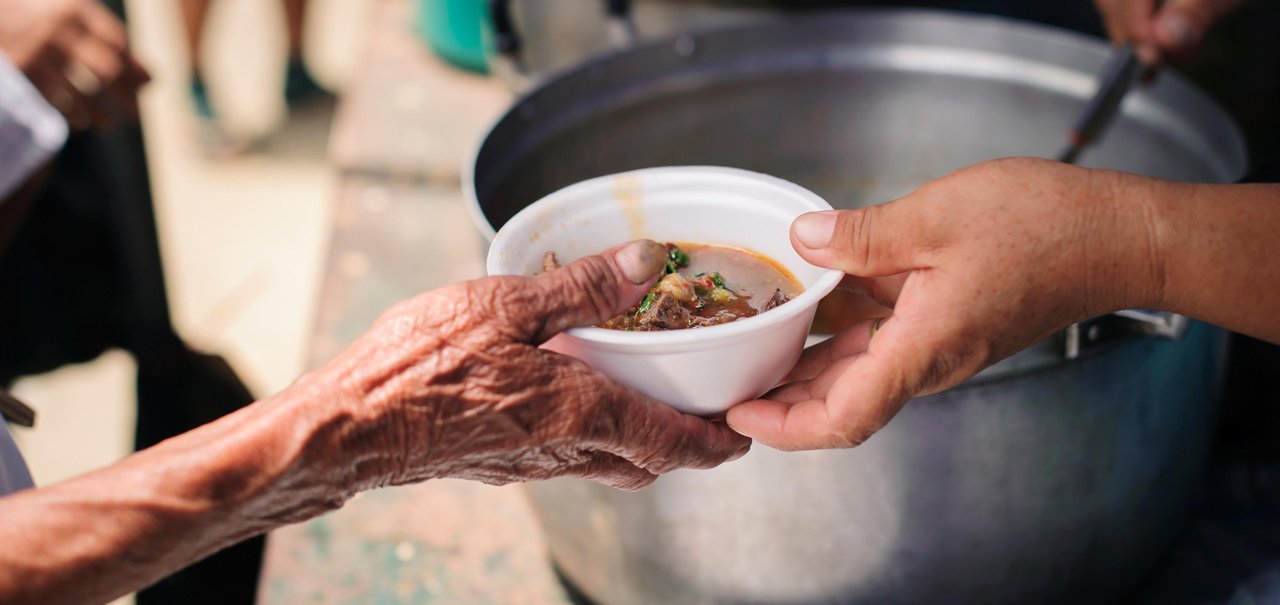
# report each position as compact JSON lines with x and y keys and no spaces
{"x":729,"y":222}
{"x":694,"y":292}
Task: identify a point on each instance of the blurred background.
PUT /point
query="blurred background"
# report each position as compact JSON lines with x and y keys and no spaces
{"x":242,"y":237}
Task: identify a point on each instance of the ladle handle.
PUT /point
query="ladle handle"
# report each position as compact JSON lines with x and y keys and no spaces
{"x":15,"y":411}
{"x":1117,"y":77}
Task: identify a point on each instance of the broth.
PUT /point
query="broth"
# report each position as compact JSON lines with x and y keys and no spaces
{"x":706,"y":285}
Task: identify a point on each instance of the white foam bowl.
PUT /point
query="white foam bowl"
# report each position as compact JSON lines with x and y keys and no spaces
{"x":701,"y":371}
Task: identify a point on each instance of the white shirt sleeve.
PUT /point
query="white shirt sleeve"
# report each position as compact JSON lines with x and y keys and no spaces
{"x":31,"y":130}
{"x":14,"y":475}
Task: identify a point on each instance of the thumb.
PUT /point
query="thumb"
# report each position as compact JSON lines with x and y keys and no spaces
{"x":589,"y":290}
{"x":868,"y":242}
{"x":1181,"y":24}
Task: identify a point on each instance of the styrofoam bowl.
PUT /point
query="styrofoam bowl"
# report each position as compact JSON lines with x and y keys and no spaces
{"x":704,"y":370}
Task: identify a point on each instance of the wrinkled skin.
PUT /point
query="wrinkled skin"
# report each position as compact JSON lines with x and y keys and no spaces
{"x":1172,"y":30}
{"x":449,"y":384}
{"x":459,"y":369}
{"x":76,"y":53}
{"x":991,"y":259}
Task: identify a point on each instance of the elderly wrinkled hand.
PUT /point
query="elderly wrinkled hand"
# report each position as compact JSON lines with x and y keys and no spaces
{"x":452,"y":384}
{"x":76,"y":53}
{"x":449,"y":384}
{"x":1160,"y":32}
{"x":976,"y":265}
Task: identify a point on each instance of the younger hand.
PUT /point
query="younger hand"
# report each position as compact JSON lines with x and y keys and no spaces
{"x":976,"y":266}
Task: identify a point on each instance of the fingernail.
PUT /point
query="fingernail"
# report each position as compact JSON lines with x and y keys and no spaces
{"x":641,"y":260}
{"x":1178,"y":30}
{"x":740,"y":453}
{"x":814,"y":230}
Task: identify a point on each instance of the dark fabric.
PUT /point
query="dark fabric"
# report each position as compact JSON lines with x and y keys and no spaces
{"x":83,"y":275}
{"x":1250,"y":425}
{"x":206,"y":388}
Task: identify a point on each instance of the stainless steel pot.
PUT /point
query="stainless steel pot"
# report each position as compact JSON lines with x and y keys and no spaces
{"x":1045,"y":479}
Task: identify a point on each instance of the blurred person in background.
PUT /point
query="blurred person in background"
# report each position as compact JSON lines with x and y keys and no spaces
{"x":82,"y":273}
{"x":299,"y":85}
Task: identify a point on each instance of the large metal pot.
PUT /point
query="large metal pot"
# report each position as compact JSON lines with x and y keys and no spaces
{"x":1044,"y":479}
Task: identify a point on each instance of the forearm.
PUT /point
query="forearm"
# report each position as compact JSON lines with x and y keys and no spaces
{"x":113,"y":531}
{"x":1218,"y":252}
{"x":1222,"y":243}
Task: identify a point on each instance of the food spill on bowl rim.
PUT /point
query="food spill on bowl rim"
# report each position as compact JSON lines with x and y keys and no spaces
{"x":544,"y":219}
{"x":629,"y":192}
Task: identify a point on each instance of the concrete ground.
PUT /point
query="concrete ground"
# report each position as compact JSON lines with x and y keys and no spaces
{"x":243,"y":238}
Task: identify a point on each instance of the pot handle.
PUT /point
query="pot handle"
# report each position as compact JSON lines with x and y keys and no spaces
{"x":509,"y":63}
{"x":1081,"y":337}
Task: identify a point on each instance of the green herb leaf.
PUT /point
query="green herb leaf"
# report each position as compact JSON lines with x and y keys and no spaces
{"x":677,"y":256}
{"x":718,"y":280}
{"x":646,"y":303}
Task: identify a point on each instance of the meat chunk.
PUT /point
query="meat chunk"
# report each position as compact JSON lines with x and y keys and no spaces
{"x":677,"y":286}
{"x":549,"y":262}
{"x":721,"y":317}
{"x":664,"y":313}
{"x":774,"y":301}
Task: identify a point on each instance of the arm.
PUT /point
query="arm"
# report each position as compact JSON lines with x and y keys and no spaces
{"x":104,"y":534}
{"x":449,"y":384}
{"x":994,"y":258}
{"x":1220,"y":246}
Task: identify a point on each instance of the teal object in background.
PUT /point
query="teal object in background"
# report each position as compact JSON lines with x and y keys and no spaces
{"x":456,"y":30}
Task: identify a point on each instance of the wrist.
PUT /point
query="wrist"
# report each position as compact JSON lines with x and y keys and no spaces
{"x":384,"y":414}
{"x":347,"y":442}
{"x":1128,"y":267}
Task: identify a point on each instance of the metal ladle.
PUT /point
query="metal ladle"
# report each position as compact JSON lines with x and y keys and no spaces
{"x":1118,"y":75}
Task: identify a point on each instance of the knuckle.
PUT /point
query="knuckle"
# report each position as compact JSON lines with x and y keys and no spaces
{"x":853,"y":425}
{"x":67,"y":10}
{"x":109,"y":70}
{"x":637,"y":482}
{"x":597,"y":423}
{"x":940,"y":371}
{"x":853,"y":433}
{"x":855,"y":229}
{"x":669,"y":453}
{"x":590,"y":283}
{"x":505,"y":299}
